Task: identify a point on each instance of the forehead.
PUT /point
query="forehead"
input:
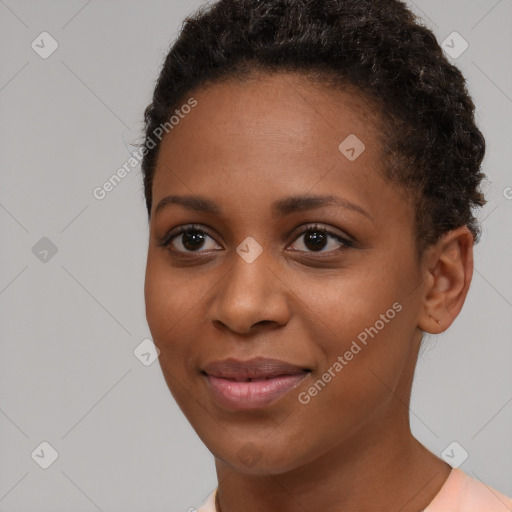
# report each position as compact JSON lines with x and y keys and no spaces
{"x":281,"y":107}
{"x":278,"y":131}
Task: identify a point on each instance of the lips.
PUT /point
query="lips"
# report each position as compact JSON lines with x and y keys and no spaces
{"x":252,"y":384}
{"x":258,"y":368}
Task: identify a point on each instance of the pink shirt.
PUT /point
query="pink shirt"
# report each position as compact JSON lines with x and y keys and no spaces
{"x":460,"y":493}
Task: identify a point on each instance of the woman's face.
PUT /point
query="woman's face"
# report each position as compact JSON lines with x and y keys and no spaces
{"x":259,"y":280}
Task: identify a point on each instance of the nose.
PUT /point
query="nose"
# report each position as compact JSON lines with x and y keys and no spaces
{"x":250,"y":296}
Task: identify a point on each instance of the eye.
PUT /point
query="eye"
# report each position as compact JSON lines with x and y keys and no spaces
{"x":188,"y":239}
{"x":316,"y":239}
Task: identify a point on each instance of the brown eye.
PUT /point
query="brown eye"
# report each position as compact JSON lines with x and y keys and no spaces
{"x":187,"y":239}
{"x":317,"y":238}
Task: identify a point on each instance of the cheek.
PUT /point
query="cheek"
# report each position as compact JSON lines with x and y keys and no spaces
{"x":346,"y":394}
{"x":342,"y":306}
{"x":168,"y":298}
{"x":363,"y":320}
{"x":168,"y":307}
{"x":174,"y":305}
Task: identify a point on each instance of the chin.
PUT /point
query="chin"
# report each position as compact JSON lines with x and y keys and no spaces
{"x":254,"y":459}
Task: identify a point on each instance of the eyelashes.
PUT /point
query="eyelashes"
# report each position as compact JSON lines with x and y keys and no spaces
{"x":192,"y":230}
{"x":195,"y":236}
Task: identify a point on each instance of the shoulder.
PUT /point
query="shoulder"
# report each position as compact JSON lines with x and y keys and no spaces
{"x":209,"y":503}
{"x":462,"y":493}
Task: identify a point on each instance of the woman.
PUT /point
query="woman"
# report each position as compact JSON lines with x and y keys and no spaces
{"x":310,"y":185}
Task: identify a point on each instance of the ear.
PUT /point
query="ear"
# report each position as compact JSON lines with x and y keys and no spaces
{"x":448,"y":269}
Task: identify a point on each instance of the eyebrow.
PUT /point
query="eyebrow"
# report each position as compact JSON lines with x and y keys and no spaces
{"x":281,"y":207}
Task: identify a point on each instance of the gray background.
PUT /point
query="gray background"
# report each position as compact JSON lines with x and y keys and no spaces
{"x":69,"y":325}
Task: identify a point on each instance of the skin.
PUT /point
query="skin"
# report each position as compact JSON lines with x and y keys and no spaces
{"x":244,"y":146}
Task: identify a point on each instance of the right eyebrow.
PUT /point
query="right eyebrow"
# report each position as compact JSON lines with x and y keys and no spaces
{"x":196,"y":203}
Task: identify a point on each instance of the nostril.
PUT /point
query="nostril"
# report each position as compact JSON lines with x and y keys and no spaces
{"x":264,"y":322}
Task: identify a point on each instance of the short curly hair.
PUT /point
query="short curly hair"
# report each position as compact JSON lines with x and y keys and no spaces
{"x":432,"y":148}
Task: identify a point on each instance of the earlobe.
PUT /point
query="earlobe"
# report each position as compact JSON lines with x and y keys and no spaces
{"x":438,"y":321}
{"x":449,"y":268}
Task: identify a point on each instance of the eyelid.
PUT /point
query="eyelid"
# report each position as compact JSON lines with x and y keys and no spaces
{"x":185,"y":228}
{"x":345,"y":240}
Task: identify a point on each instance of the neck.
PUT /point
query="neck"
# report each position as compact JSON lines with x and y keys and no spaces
{"x":392,"y":472}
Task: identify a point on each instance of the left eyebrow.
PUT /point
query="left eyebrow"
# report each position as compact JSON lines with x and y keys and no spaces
{"x":281,"y":207}
{"x":302,"y":203}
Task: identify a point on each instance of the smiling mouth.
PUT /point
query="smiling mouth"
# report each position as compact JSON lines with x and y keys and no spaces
{"x":258,"y":368}
{"x":254,"y":379}
{"x":251,"y":384}
{"x":252,"y":393}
